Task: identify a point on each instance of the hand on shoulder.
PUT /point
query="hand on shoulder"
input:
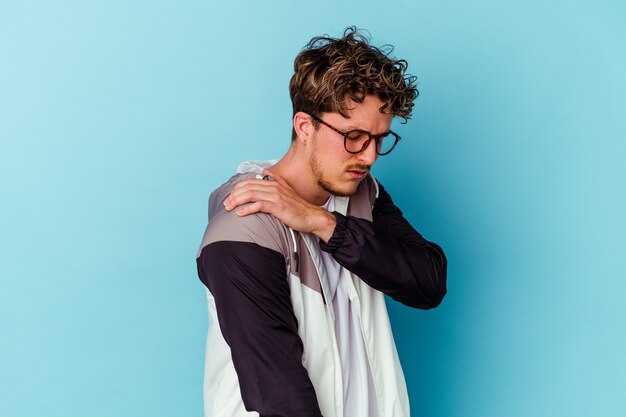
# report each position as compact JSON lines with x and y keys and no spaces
{"x":281,"y":201}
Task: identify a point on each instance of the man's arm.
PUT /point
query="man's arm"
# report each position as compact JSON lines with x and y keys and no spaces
{"x":390,"y":255}
{"x":255,"y":315}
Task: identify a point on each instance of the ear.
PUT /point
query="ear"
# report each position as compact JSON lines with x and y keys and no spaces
{"x":303,"y":126}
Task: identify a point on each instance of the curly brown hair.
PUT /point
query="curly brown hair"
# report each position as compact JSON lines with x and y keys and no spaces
{"x":328,"y":71}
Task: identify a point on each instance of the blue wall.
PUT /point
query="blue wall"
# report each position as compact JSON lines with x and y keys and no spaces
{"x":117,"y":118}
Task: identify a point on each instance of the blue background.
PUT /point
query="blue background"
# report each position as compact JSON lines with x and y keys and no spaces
{"x":118,"y":118}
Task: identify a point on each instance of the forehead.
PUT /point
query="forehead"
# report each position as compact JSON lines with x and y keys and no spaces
{"x":363,"y":116}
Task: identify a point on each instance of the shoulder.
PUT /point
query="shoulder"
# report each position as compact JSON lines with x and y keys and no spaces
{"x":261,"y":229}
{"x":362,"y":202}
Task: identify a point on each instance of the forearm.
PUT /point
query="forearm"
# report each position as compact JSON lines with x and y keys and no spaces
{"x":390,"y":255}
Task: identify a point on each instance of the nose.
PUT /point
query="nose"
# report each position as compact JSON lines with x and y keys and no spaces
{"x":368,"y":155}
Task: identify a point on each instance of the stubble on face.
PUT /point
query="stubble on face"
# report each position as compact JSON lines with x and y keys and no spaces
{"x":324,"y":183}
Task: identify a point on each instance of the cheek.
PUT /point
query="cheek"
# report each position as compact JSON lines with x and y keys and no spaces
{"x":331,"y":154}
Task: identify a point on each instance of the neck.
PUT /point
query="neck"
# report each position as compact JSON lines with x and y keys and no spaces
{"x":295,"y":169}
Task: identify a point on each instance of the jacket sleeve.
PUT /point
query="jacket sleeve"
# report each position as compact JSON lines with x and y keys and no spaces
{"x":390,"y":255}
{"x":255,"y":314}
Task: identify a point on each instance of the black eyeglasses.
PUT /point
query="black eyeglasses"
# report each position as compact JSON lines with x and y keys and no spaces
{"x":356,"y":141}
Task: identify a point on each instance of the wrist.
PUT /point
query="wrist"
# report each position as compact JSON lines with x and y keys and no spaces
{"x":326,"y":225}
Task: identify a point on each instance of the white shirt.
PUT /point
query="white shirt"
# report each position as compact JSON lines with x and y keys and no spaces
{"x":358,"y":387}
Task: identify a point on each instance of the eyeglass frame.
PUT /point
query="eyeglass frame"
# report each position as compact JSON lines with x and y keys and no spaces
{"x":366,"y":143}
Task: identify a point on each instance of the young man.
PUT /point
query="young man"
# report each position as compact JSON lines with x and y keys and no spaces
{"x":298,"y":253}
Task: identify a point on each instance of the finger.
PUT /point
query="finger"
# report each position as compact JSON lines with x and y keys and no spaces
{"x":263,"y":186}
{"x":250,"y":209}
{"x":249,"y":196}
{"x":254,"y":183}
{"x":250,"y":182}
{"x":257,"y":185}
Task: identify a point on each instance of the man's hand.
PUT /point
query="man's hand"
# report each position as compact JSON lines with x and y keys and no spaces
{"x":281,"y":201}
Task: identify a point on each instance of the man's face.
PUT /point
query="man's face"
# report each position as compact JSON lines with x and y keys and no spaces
{"x":336,"y":170}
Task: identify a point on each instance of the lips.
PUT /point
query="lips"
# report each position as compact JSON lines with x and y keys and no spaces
{"x":357,"y":173}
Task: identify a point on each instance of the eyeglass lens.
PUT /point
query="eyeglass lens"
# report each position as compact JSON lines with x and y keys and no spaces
{"x":356,"y":141}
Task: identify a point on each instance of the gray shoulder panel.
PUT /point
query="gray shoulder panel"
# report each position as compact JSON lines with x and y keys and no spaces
{"x":362,"y":201}
{"x":260,"y":228}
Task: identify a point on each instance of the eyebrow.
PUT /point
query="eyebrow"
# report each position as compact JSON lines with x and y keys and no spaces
{"x":351,"y":127}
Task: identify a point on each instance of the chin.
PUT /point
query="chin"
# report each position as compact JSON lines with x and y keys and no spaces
{"x":340,"y":190}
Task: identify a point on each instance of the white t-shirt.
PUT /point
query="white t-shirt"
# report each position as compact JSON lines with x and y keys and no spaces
{"x":358,"y":387}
